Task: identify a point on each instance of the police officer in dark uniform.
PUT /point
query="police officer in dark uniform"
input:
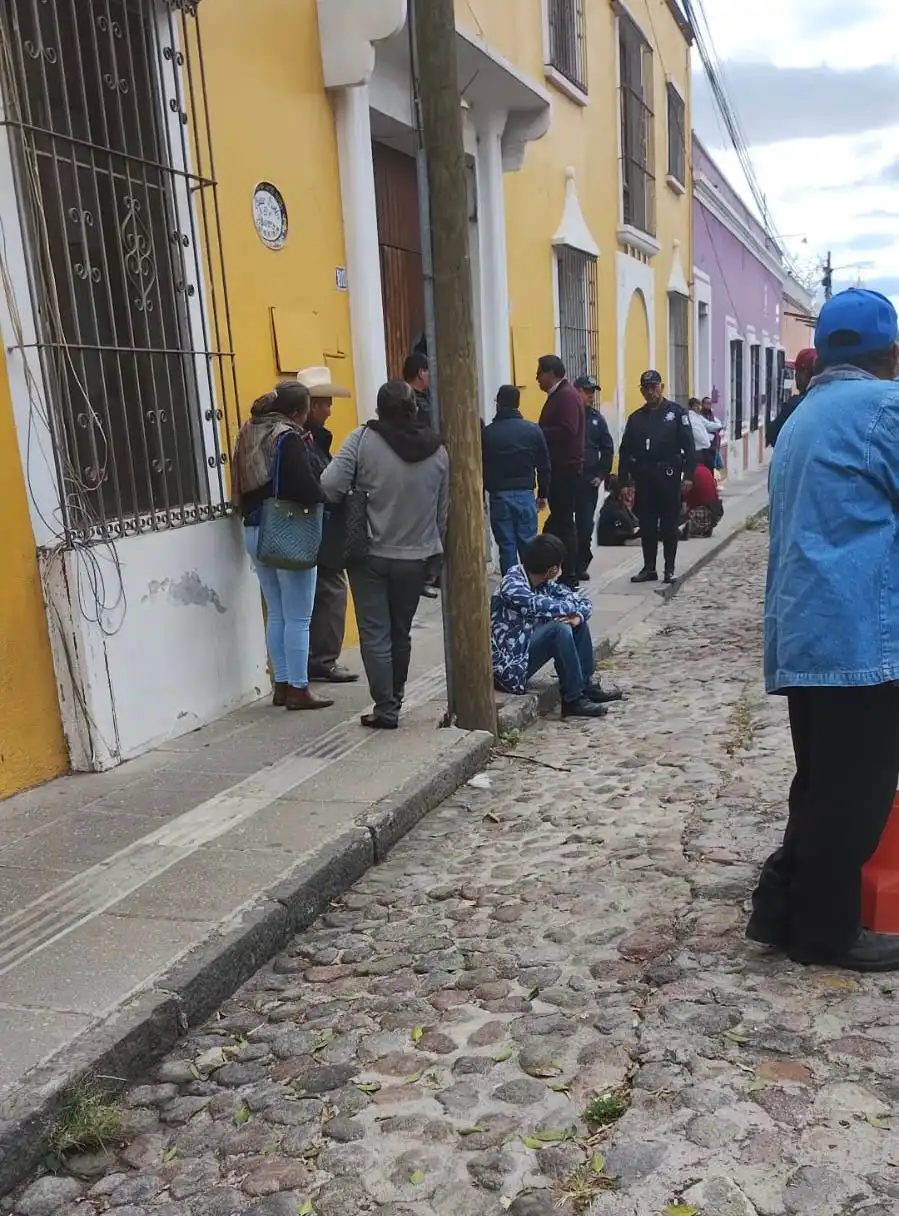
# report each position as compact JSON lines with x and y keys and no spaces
{"x":659,"y":455}
{"x":599,"y":453}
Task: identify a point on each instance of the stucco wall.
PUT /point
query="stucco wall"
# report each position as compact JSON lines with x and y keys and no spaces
{"x":272,"y":121}
{"x":743,"y":288}
{"x":32,"y":748}
{"x":795,"y":335}
{"x":587,"y":139}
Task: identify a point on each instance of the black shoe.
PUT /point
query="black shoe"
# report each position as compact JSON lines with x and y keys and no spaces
{"x":584,"y":708}
{"x":646,"y":576}
{"x":766,"y":932}
{"x":670,"y":576}
{"x":869,"y":952}
{"x":333,"y":675}
{"x":583,"y":576}
{"x":373,"y":722}
{"x":603,"y":696}
{"x":569,"y":581}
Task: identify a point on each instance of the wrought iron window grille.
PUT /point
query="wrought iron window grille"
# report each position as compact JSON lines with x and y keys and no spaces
{"x":637,"y":129}
{"x":578,"y":312}
{"x":679,"y":341}
{"x":568,"y":40}
{"x":105,"y":108}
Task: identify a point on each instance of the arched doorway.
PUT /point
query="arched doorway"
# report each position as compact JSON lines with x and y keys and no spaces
{"x":636,"y":352}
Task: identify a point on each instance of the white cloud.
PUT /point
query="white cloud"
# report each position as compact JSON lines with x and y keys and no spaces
{"x":815,"y":84}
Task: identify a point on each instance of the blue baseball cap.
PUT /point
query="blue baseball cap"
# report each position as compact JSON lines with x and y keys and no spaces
{"x":855,"y":322}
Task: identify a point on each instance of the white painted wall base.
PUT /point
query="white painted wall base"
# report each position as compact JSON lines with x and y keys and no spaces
{"x":185,"y":644}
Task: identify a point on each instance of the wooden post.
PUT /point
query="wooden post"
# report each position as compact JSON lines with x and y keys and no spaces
{"x":465,"y":576}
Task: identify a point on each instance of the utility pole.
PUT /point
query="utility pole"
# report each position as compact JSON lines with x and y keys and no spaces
{"x":828,"y":277}
{"x":465,"y":584}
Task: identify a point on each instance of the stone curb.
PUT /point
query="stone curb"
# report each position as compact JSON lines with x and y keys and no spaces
{"x":397,"y":813}
{"x":668,"y":593}
{"x":127,"y":1043}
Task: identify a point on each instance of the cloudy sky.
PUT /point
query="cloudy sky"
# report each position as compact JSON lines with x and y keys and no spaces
{"x":815,"y":84}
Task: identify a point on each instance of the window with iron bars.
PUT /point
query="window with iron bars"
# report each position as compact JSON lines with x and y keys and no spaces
{"x":782,"y":393}
{"x":679,"y":347}
{"x":637,"y":128}
{"x":736,"y":386}
{"x":677,"y":136}
{"x":769,"y":384}
{"x":568,"y":40}
{"x":755,"y":386}
{"x":578,"y":312}
{"x":117,"y":199}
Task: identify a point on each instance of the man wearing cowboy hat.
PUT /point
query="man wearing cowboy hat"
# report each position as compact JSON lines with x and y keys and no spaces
{"x":328,"y":626}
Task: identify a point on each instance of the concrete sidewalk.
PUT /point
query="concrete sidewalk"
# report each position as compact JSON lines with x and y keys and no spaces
{"x":133,"y":902}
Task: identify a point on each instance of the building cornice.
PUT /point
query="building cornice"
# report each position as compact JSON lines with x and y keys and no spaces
{"x":683,"y":23}
{"x":348,"y":31}
{"x":706,"y":195}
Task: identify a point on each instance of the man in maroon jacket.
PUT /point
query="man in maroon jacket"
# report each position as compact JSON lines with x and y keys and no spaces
{"x":564,"y":423}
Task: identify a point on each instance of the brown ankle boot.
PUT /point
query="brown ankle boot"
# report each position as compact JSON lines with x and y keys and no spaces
{"x":305,"y":698}
{"x":279,"y":696}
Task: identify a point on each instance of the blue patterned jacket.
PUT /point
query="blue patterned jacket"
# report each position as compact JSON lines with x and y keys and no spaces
{"x":516,"y":610}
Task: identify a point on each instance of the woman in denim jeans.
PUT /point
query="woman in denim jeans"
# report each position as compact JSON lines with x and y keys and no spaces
{"x":276,"y":424}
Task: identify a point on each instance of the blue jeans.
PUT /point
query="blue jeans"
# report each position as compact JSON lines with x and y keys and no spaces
{"x":289,"y":598}
{"x":572,"y":652}
{"x":513,"y":520}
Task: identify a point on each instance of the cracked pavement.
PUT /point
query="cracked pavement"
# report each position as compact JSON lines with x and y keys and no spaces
{"x":570,"y":927}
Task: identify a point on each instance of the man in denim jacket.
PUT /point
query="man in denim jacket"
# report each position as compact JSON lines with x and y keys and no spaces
{"x":832,"y":637}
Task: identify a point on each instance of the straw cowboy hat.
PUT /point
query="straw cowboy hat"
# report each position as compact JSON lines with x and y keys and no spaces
{"x":318,"y":382}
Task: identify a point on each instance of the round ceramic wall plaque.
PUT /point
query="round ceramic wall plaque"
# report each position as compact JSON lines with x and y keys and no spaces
{"x":270,"y":215}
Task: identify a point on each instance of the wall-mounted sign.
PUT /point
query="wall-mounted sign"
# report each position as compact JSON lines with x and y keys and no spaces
{"x":340,"y":279}
{"x":270,"y":215}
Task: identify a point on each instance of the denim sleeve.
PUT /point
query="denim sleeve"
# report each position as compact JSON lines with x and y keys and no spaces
{"x":883,"y":450}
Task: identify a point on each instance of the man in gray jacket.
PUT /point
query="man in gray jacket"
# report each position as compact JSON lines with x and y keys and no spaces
{"x":402,"y":468}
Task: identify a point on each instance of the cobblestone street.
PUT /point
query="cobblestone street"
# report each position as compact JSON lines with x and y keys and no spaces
{"x":542,"y":1001}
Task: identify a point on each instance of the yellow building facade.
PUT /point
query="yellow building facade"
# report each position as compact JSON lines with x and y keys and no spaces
{"x":215,"y":194}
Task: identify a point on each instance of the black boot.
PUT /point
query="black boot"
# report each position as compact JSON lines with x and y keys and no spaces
{"x":645,"y":576}
{"x":669,"y":549}
{"x":583,"y":708}
{"x":869,"y":952}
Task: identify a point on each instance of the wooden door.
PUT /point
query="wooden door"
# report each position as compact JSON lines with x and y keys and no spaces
{"x":399,"y":237}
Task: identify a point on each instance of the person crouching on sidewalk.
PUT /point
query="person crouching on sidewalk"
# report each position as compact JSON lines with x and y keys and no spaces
{"x":535,"y":619}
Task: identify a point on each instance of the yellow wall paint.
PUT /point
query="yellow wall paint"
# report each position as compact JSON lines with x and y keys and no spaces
{"x":32,"y":747}
{"x":587,"y":139}
{"x":273,"y":121}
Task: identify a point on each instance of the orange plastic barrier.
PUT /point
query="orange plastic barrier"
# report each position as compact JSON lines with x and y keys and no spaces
{"x":880,"y":880}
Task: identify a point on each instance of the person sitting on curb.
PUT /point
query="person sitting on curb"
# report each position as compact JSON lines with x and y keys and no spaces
{"x":535,"y":619}
{"x":617,"y":523}
{"x":703,"y":502}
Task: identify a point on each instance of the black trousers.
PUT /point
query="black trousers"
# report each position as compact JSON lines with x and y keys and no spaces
{"x":561,"y":522}
{"x":386,"y":592}
{"x":657,"y":507}
{"x":846,"y":742}
{"x":326,"y":632}
{"x":586,"y":499}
